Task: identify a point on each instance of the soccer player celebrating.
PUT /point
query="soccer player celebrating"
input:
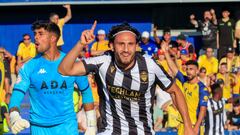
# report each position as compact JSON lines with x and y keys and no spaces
{"x":51,"y":94}
{"x":126,"y":81}
{"x":195,"y":92}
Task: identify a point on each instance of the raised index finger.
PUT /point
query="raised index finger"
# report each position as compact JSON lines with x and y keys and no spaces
{"x":94,"y":26}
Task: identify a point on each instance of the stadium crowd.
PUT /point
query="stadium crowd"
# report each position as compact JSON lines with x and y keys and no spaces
{"x":209,"y":80}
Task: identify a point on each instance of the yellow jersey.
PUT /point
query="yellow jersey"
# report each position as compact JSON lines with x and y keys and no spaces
{"x":60,"y":24}
{"x":26,"y":51}
{"x":211,"y":64}
{"x":103,"y":46}
{"x":196,"y":95}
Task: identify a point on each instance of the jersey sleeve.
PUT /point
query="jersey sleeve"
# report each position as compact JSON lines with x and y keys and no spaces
{"x":181,"y":77}
{"x":93,"y":64}
{"x":204,"y":95}
{"x":163,"y":79}
{"x":21,"y":86}
{"x":85,"y":89}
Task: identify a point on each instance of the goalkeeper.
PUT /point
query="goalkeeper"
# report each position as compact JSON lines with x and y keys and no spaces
{"x":51,"y":94}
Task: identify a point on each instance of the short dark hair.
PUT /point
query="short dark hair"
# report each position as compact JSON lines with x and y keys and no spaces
{"x":215,"y":88}
{"x":48,"y":26}
{"x":192,"y":62}
{"x":52,"y":14}
{"x":122,"y":27}
{"x":26,"y":34}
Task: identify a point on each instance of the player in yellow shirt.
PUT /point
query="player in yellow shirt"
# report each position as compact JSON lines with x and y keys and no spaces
{"x":60,"y":22}
{"x":26,"y":50}
{"x":209,"y":62}
{"x":195,"y":92}
{"x":101,"y":45}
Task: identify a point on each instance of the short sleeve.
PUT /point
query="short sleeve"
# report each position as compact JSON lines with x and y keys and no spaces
{"x":181,"y":77}
{"x":93,"y":64}
{"x":204,"y":95}
{"x":163,"y":79}
{"x":85,"y":89}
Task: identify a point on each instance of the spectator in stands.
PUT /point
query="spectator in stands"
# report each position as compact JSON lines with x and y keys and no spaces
{"x":5,"y":119}
{"x":26,"y":50}
{"x":184,"y":44}
{"x":173,"y":117}
{"x":167,"y":39}
{"x":147,"y":45}
{"x":228,"y":80}
{"x":213,"y":79}
{"x":53,"y":17}
{"x":6,"y":57}
{"x":226,"y":27}
{"x":184,"y":55}
{"x":233,"y":122}
{"x":101,"y":44}
{"x":203,"y":76}
{"x":236,"y":87}
{"x":237,"y":32}
{"x":161,"y":59}
{"x":156,"y":38}
{"x":193,"y":89}
{"x":231,"y":60}
{"x":209,"y":30}
{"x":216,"y":115}
{"x":208,"y":61}
{"x":157,"y":116}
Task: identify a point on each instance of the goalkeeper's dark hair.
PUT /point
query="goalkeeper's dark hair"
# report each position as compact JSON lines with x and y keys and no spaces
{"x":123,"y":27}
{"x":48,"y":26}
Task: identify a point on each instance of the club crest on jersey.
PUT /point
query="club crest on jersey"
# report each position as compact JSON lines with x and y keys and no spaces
{"x":205,"y":98}
{"x":144,"y":76}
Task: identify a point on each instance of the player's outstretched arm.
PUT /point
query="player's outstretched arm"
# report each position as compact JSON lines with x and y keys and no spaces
{"x":69,"y":66}
{"x":177,"y":96}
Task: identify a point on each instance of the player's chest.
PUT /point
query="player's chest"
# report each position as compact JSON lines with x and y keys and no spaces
{"x":191,"y":91}
{"x":48,"y":77}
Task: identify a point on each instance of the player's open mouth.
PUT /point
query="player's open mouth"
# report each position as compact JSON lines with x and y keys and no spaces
{"x":36,"y":44}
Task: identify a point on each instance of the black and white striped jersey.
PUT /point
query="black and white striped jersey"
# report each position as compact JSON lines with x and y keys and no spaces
{"x":215,"y":118}
{"x":126,"y":97}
